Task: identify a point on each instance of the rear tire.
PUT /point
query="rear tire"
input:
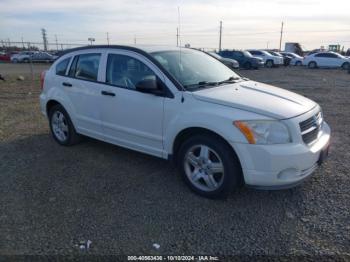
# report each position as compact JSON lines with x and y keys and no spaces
{"x":61,"y":127}
{"x":209,"y":166}
{"x":312,"y":65}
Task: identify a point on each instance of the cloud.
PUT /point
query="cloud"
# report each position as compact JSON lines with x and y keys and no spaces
{"x":245,"y":22}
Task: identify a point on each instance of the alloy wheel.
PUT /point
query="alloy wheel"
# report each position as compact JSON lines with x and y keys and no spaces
{"x":59,"y":126}
{"x":204,"y":168}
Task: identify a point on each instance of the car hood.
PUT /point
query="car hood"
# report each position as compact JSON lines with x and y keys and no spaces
{"x":258,"y":98}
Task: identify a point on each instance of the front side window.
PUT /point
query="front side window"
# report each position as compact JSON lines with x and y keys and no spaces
{"x":192,"y":67}
{"x":85,"y":66}
{"x":332,"y":55}
{"x":125,"y":71}
{"x":61,"y":67}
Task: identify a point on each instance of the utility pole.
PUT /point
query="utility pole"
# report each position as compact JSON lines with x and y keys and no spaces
{"x":43,"y":32}
{"x":281,"y":36}
{"x":220,"y":36}
{"x":135,"y":40}
{"x":22,"y":42}
{"x":56,"y":42}
{"x":91,"y":39}
{"x":177,"y":36}
{"x":107,"y":38}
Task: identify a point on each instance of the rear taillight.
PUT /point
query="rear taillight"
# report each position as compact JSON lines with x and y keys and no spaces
{"x":42,"y":78}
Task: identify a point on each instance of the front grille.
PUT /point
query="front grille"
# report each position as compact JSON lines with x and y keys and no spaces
{"x":310,"y":127}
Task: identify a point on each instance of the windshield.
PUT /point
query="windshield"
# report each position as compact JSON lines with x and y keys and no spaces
{"x":195,"y":69}
{"x":274,"y":53}
{"x":215,"y":55}
{"x":246,"y":53}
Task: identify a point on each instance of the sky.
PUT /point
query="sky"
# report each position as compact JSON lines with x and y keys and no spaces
{"x":246,"y":23}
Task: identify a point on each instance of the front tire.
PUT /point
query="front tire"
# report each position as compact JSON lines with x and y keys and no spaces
{"x":61,"y":127}
{"x":312,"y":65}
{"x":298,"y":63}
{"x":209,"y":166}
{"x":269,"y":63}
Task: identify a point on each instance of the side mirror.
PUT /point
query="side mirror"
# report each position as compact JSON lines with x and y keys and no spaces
{"x":149,"y":86}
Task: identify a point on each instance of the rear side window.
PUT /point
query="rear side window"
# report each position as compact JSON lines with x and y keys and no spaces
{"x":125,"y":71}
{"x":85,"y":66}
{"x":61,"y":67}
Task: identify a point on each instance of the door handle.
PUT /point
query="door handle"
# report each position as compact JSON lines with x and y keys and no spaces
{"x":106,"y":93}
{"x":66,"y":84}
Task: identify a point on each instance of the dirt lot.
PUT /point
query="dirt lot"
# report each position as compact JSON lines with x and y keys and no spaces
{"x":53,"y":197}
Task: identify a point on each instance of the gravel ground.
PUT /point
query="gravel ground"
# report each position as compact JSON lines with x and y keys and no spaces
{"x":53,"y":197}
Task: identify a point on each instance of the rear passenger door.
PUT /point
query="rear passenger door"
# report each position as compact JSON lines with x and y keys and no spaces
{"x":84,"y":91}
{"x":131,"y":118}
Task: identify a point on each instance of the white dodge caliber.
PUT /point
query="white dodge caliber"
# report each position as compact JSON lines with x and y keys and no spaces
{"x":221,"y":130}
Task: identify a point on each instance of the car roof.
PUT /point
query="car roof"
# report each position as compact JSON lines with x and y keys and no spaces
{"x":145,"y":48}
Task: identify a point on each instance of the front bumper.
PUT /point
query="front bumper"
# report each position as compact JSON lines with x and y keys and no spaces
{"x":281,"y":166}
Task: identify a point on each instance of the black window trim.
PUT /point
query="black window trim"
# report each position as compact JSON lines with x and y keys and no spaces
{"x":67,"y":68}
{"x":78,"y":57}
{"x":176,"y":83}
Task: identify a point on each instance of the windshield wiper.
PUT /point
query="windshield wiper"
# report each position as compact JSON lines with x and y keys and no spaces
{"x":202,"y":84}
{"x":231,"y":79}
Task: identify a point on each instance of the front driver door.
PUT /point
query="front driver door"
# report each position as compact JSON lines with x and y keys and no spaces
{"x":130,"y":118}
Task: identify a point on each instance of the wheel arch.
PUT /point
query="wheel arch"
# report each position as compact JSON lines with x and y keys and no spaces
{"x":51,"y":103}
{"x":191,"y":131}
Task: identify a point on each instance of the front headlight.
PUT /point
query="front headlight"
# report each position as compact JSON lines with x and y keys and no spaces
{"x":264,"y":131}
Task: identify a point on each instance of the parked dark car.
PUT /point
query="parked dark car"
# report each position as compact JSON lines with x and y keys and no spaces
{"x":42,"y":57}
{"x":244,"y":58}
{"x":231,"y":63}
{"x":286,"y":58}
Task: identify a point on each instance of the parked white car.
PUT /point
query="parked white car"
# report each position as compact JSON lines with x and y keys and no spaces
{"x":21,"y":57}
{"x":297,"y":60}
{"x":269,"y":59}
{"x":326,"y":59}
{"x":221,"y":130}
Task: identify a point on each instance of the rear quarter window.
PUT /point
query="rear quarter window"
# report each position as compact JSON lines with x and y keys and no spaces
{"x":85,"y":66}
{"x":61,"y":67}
